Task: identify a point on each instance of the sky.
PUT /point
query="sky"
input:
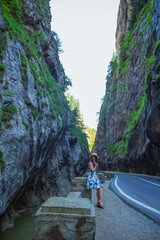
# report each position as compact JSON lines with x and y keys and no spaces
{"x":87,"y":31}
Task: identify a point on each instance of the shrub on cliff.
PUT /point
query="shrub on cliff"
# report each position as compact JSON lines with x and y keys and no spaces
{"x":137,"y":6}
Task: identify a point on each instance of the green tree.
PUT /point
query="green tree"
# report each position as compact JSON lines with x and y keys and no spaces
{"x":91,"y":138}
{"x":77,"y":127}
{"x":112,"y":67}
{"x":67,"y":83}
{"x":58,"y":42}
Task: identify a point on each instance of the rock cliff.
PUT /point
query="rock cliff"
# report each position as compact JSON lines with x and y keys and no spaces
{"x":128,"y":135}
{"x":41,"y":146}
{"x":124,"y":13}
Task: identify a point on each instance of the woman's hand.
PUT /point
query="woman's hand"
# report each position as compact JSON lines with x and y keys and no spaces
{"x":91,"y":167}
{"x":96,"y":164}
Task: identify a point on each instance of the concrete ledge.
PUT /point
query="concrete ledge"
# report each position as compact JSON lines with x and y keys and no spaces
{"x":79,"y":184}
{"x":79,"y":180}
{"x":85,"y":175}
{"x":75,"y":195}
{"x":65,"y":219}
{"x":66,"y":205}
{"x":101,"y":177}
{"x":109,"y":175}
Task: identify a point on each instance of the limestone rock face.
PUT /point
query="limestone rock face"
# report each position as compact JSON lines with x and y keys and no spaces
{"x":122,"y":21}
{"x":128,"y":131}
{"x":39,"y":152}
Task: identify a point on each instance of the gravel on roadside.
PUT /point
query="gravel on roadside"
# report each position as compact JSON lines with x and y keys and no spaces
{"x":118,"y":221}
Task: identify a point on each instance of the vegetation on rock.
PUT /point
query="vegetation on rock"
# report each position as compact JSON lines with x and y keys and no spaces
{"x":2,"y":161}
{"x":141,"y":13}
{"x":137,"y":6}
{"x":44,"y":82}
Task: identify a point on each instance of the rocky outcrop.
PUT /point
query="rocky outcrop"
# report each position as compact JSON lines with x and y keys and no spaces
{"x":124,"y":13}
{"x":41,"y":150}
{"x":128,"y":131}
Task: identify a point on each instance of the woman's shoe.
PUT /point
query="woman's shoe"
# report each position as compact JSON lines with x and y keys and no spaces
{"x":100,"y":205}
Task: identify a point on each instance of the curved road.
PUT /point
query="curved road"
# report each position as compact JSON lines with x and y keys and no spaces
{"x":139,"y":191}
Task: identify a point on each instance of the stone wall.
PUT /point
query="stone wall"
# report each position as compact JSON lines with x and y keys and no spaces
{"x":67,"y":218}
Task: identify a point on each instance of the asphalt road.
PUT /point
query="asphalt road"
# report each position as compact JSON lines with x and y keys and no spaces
{"x":140,"y":192}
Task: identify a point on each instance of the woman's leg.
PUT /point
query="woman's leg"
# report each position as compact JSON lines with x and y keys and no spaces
{"x":100,"y":198}
{"x":101,"y":194}
{"x":98,"y":194}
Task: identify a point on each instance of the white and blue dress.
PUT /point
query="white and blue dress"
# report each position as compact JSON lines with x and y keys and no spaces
{"x":93,"y":181}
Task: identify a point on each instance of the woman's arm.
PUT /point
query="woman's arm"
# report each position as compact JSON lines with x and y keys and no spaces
{"x":91,"y":167}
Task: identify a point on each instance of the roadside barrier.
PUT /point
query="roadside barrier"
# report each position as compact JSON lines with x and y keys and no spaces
{"x":69,"y":218}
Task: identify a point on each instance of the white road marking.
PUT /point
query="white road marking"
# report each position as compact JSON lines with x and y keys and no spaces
{"x":134,"y":200}
{"x":148,"y":181}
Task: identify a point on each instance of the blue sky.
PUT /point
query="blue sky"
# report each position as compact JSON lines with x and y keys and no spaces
{"x":87,"y":31}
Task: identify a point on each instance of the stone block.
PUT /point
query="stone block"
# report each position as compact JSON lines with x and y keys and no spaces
{"x":101,"y":177}
{"x":75,"y":195}
{"x":79,"y":184}
{"x":85,"y":175}
{"x":109,"y":175}
{"x":65,"y":219}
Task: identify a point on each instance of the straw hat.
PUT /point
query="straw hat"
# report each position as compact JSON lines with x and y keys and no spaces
{"x":94,"y":154}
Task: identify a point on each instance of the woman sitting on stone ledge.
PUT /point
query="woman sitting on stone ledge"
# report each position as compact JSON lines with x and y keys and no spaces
{"x":93,"y":181}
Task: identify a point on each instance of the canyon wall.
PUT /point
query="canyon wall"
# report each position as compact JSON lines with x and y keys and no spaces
{"x":128,"y":135}
{"x":123,"y":16}
{"x":41,"y":146}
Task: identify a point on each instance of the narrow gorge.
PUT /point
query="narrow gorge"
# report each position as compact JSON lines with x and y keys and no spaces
{"x":42,"y":145}
{"x":128,"y":135}
{"x":43,"y":140}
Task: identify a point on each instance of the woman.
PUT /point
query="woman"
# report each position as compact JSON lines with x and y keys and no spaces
{"x":93,"y":181}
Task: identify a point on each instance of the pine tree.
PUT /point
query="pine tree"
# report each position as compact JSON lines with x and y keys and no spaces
{"x":112,"y":67}
{"x":77,"y":120}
